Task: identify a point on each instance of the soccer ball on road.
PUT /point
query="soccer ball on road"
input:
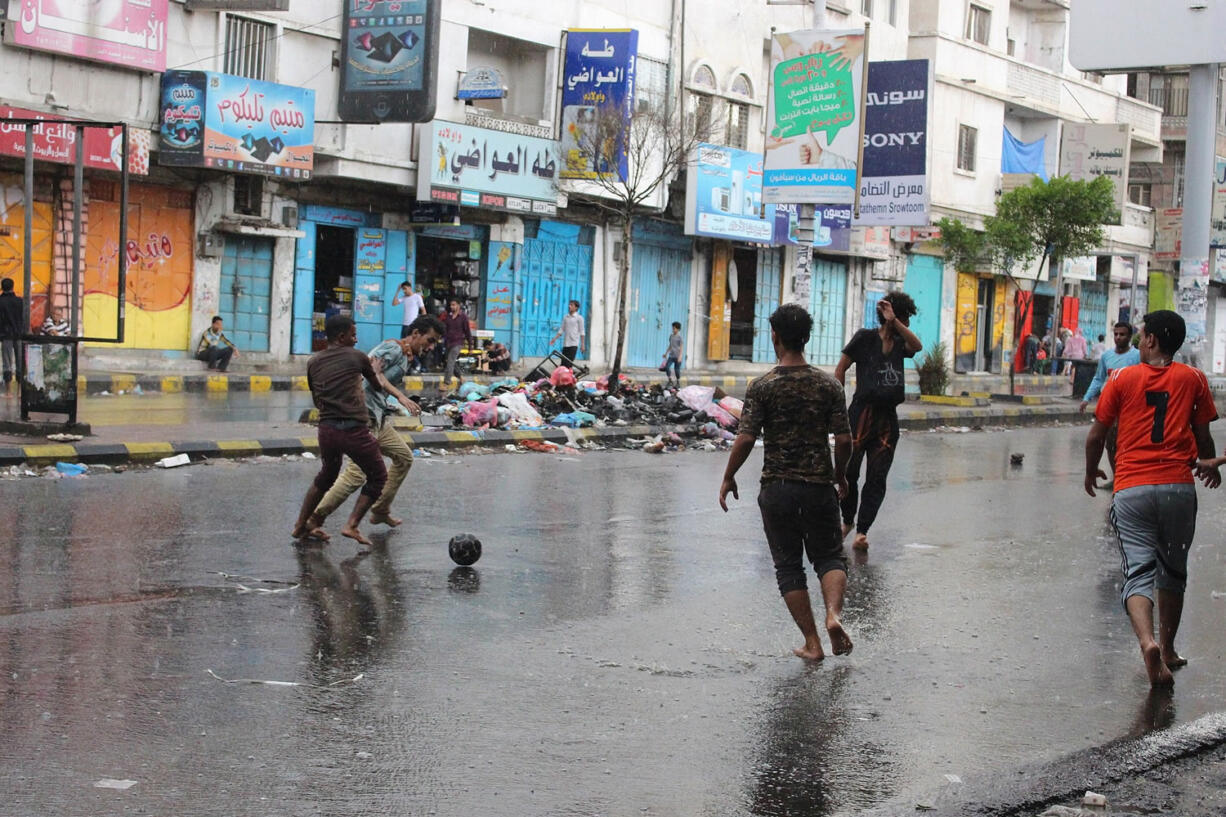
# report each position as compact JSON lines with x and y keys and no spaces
{"x":465,"y":549}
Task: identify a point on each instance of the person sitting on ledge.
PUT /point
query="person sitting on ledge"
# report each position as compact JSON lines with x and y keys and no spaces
{"x":215,"y":348}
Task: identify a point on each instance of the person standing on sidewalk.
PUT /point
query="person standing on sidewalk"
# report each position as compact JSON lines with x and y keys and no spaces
{"x":1124,"y":354}
{"x":795,"y":407}
{"x":456,"y":332}
{"x":215,"y":348}
{"x":672,"y":355}
{"x":11,"y":312}
{"x":334,"y":376}
{"x":391,"y":360}
{"x":574,"y":338}
{"x":1163,"y":409}
{"x":413,"y":306}
{"x":878,"y":356}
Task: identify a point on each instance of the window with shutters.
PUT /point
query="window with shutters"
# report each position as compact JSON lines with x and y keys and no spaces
{"x":978,"y":23}
{"x":249,"y":48}
{"x":966,"y":148}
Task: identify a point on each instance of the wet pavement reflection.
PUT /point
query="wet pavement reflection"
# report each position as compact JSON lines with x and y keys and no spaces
{"x":620,"y":647}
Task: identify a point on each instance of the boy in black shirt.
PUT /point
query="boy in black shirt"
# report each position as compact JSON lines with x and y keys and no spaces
{"x":878,"y":357}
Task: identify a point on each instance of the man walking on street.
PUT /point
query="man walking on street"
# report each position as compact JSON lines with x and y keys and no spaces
{"x":1164,"y":410}
{"x":878,"y":357}
{"x":1124,"y":354}
{"x":574,"y":339}
{"x":11,"y":312}
{"x":796,"y":406}
{"x":413,"y":306}
{"x":456,"y":333}
{"x":334,"y":376}
{"x":390,"y":360}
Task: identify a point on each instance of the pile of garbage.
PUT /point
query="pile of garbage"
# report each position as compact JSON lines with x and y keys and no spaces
{"x":563,"y":401}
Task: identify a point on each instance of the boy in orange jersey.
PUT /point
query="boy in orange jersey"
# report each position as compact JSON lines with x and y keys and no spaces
{"x":1164,"y":410}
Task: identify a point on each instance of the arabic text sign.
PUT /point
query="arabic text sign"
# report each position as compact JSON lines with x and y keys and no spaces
{"x":1217,"y":224}
{"x":598,"y":81}
{"x":832,"y":231}
{"x":477,"y":167}
{"x":813,"y":131}
{"x":57,"y":142}
{"x":894,"y":181}
{"x":1091,"y":150}
{"x":131,"y":33}
{"x":235,"y":123}
{"x":724,"y":196}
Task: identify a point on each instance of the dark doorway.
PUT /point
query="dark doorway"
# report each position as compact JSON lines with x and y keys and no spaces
{"x":334,"y":249}
{"x":740,"y":335}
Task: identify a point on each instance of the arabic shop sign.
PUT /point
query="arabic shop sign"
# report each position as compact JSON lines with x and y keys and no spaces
{"x":1091,"y":150}
{"x":483,"y":82}
{"x":813,"y":131}
{"x":129,"y":33}
{"x":56,"y":141}
{"x":234,"y":123}
{"x":724,"y":196}
{"x":598,"y":83}
{"x":894,"y":180}
{"x":477,"y":167}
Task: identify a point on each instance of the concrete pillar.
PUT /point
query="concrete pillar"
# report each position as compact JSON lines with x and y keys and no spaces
{"x":1192,"y":288}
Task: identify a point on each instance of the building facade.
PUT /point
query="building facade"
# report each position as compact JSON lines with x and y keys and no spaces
{"x":290,"y":233}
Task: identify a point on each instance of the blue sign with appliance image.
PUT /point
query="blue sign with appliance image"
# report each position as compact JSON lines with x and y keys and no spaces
{"x":724,"y":196}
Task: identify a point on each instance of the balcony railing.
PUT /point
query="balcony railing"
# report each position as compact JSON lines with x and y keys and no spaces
{"x":1144,"y":120}
{"x":1172,"y":101}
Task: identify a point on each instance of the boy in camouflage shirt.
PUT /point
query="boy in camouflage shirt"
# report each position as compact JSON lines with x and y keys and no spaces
{"x":795,"y":407}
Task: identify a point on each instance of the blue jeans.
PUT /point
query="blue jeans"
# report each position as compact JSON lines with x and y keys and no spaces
{"x":675,"y":366}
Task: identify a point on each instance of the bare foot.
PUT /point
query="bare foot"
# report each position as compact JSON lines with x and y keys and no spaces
{"x":840,"y":642}
{"x":385,"y":519}
{"x":860,"y":542}
{"x":355,"y":535}
{"x":810,"y":652}
{"x":309,"y":531}
{"x":1159,"y":674}
{"x":1173,"y":659}
{"x":847,"y":529}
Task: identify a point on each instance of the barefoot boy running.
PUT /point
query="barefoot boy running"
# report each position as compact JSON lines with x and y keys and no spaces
{"x":796,"y":406}
{"x":1164,"y":410}
{"x":335,"y":377}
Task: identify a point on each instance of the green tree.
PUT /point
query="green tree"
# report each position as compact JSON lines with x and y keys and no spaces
{"x":1043,"y":223}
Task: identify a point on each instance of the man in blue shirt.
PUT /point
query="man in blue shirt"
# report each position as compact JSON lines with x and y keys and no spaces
{"x":391,"y":360}
{"x":1124,"y":354}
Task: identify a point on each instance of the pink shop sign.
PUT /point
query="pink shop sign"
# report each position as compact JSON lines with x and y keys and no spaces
{"x":131,"y":33}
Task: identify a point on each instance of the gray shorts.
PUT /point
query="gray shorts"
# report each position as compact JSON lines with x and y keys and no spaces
{"x":1154,"y":525}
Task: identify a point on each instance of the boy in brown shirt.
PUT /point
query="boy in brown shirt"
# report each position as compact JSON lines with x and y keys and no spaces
{"x":335,"y":377}
{"x":794,"y":407}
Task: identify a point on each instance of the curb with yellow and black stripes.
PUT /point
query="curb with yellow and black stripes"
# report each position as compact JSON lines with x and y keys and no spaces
{"x":148,"y":452}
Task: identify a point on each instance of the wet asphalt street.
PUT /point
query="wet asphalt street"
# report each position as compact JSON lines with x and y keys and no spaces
{"x":620,"y":648}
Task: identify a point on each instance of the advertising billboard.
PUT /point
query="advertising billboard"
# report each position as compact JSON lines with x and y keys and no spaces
{"x":128,"y":33}
{"x":598,"y":82}
{"x":239,"y":124}
{"x":894,"y":179}
{"x":812,"y":116}
{"x":723,"y":198}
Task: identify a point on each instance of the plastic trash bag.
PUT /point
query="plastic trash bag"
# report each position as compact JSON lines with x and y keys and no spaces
{"x":469,"y":389}
{"x":481,"y":413}
{"x":71,"y":469}
{"x":562,"y":376}
{"x":696,"y":397}
{"x":521,"y":410}
{"x":719,"y":415}
{"x":732,"y":405}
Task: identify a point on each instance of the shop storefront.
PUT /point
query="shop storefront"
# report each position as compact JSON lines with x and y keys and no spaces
{"x":660,"y":285}
{"x":158,"y":244}
{"x":980,"y":328}
{"x":724,"y":202}
{"x":349,"y":263}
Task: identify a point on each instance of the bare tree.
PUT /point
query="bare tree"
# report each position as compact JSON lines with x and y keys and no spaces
{"x":658,"y":143}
